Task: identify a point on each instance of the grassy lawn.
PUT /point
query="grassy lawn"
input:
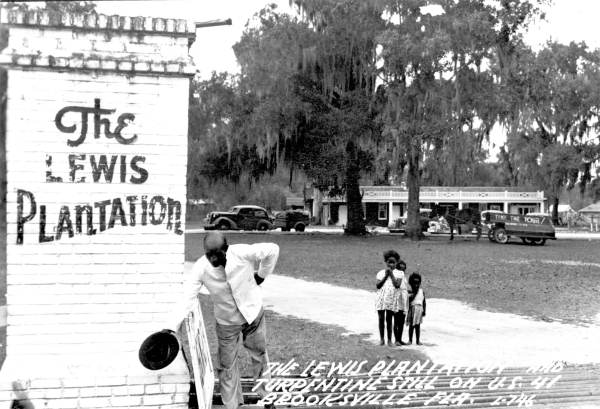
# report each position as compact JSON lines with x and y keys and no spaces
{"x":512,"y":278}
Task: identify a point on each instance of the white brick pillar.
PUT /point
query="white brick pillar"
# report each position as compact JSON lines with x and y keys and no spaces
{"x":96,"y":156}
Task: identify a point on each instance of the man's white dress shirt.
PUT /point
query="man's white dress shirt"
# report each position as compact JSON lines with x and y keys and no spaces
{"x":236,"y":296}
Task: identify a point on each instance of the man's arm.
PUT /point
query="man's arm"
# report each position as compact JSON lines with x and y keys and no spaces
{"x":192,"y":286}
{"x":264,"y":255}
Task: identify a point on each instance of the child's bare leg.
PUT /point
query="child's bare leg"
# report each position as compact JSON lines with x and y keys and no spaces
{"x":399,"y":327}
{"x":418,"y":333}
{"x":381,"y":315}
{"x":389,"y":318}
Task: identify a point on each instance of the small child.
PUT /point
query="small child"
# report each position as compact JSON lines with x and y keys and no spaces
{"x":417,"y":308}
{"x":402,"y":305}
{"x":387,"y":299}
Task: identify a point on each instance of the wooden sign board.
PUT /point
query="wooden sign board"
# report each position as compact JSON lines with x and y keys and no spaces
{"x":204,"y":375}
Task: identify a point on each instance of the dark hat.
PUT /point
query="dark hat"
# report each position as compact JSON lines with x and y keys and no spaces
{"x":159,"y":349}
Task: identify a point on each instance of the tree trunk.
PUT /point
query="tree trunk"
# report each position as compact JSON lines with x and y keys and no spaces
{"x":356,"y":222}
{"x":555,"y":211}
{"x":291,"y":179}
{"x":317,"y":205}
{"x":413,"y":181}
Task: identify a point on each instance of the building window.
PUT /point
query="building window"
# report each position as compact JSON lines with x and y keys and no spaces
{"x":524,"y":210}
{"x":382,"y":212}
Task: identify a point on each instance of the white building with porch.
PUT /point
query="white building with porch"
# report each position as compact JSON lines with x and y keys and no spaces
{"x":384,"y":204}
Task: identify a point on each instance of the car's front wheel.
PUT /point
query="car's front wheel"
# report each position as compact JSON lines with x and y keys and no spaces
{"x":223,"y":225}
{"x":500,"y":235}
{"x":299,"y":227}
{"x":262,"y":227}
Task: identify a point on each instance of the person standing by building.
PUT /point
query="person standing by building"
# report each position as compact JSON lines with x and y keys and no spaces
{"x":232,"y":274}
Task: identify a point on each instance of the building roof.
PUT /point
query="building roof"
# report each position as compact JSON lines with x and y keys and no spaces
{"x":99,"y":42}
{"x":562,"y":208}
{"x":94,"y":21}
{"x":593,"y":208}
{"x":447,"y":192}
{"x":461,"y":188}
{"x":294,"y":201}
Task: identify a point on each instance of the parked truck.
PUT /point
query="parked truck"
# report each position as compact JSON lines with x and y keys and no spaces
{"x":291,"y":219}
{"x":530,"y":228}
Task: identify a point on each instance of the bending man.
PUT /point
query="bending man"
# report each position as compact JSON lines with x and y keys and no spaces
{"x":232,"y":275}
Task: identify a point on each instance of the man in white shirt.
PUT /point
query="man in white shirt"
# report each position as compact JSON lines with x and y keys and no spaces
{"x":232,"y":275}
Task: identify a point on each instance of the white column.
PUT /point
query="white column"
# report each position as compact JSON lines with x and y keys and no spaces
{"x":342,"y":215}
{"x":390,"y":211}
{"x":505,"y":207}
{"x":460,"y":205}
{"x":542,"y":207}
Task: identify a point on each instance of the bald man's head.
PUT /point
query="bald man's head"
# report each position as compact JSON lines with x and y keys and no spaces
{"x":214,"y":240}
{"x":215,"y":248}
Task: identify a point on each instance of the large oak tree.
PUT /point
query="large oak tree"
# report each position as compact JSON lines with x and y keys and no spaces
{"x":553,"y":144}
{"x":315,"y":79}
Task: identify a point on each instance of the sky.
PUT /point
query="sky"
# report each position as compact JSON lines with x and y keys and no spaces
{"x":566,"y":21}
{"x":212,"y":49}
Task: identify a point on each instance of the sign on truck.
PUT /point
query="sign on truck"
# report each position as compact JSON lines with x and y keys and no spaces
{"x":531,"y":229}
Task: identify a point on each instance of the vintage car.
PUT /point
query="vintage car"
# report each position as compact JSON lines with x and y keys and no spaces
{"x":243,"y":217}
{"x":530,"y":228}
{"x":399,"y":225}
{"x":291,"y":219}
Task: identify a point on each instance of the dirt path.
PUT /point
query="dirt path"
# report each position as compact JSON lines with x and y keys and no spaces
{"x":452,"y":332}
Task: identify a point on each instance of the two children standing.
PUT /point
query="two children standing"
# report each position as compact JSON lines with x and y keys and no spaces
{"x":396,"y":301}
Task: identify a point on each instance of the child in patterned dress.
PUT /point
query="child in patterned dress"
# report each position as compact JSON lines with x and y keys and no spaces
{"x":400,"y":316}
{"x":417,"y":308}
{"x":387,"y":299}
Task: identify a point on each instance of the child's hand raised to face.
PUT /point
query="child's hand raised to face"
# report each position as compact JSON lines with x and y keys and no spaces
{"x":390,"y":264}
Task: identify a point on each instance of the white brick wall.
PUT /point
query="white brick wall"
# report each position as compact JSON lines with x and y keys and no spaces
{"x":73,"y":393}
{"x":79,"y":307}
{"x":63,"y":42}
{"x":113,"y":271}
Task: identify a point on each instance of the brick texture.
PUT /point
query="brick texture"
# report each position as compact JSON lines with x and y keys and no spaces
{"x":84,"y":291}
{"x":100,"y":279}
